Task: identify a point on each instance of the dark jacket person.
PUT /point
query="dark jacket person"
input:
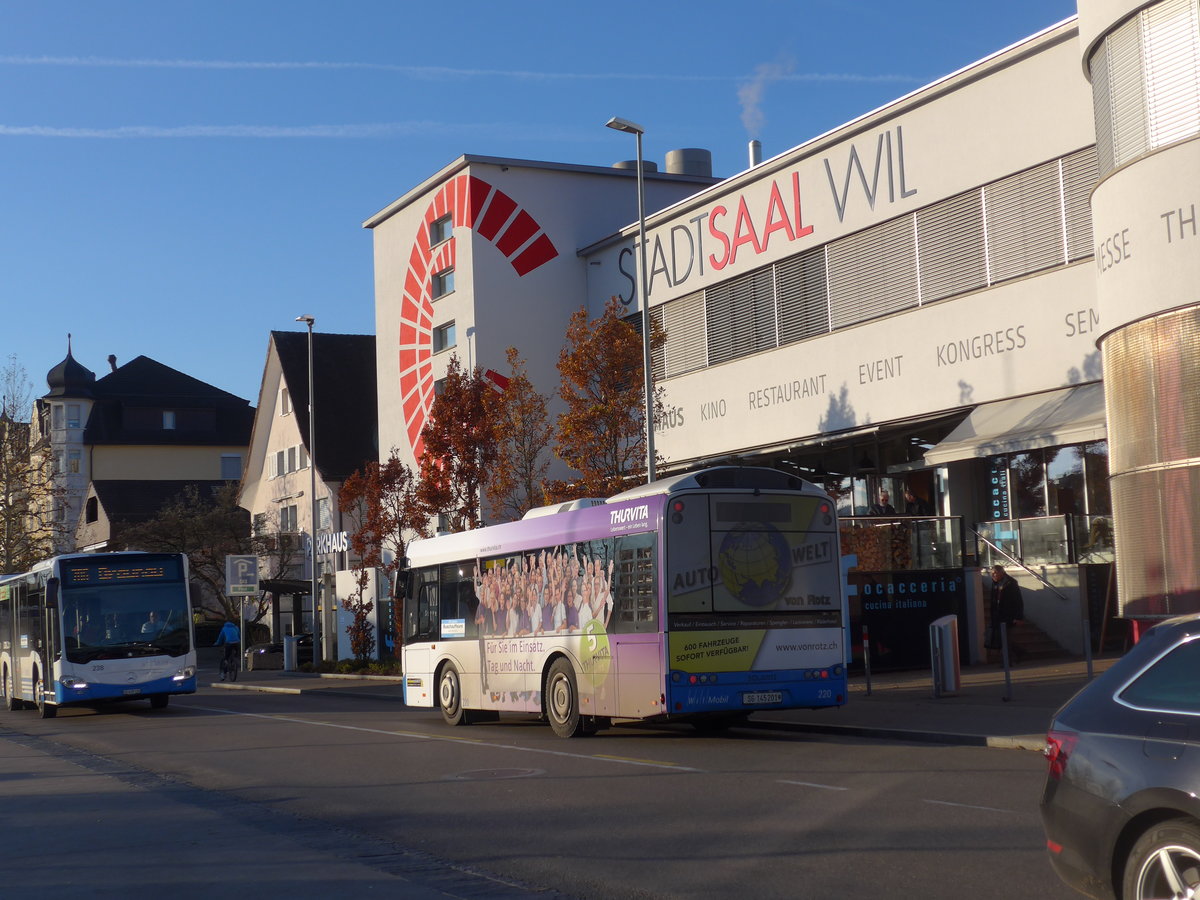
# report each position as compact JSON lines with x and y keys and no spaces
{"x":1007,"y":607}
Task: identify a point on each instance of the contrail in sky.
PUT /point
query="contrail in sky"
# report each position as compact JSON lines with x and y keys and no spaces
{"x":368,"y":130}
{"x":427,"y":72}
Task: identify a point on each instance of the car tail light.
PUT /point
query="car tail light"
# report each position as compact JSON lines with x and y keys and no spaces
{"x":1059,"y":745}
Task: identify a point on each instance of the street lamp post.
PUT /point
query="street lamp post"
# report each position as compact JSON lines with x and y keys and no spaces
{"x":318,"y":656}
{"x":619,"y":124}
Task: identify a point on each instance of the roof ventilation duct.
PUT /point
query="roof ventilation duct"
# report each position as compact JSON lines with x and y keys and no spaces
{"x":690,"y":161}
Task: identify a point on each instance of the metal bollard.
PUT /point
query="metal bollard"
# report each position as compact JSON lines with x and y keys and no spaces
{"x":866,"y":643}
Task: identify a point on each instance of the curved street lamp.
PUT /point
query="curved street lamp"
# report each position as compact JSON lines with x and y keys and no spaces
{"x":618,"y":124}
{"x":318,"y":656}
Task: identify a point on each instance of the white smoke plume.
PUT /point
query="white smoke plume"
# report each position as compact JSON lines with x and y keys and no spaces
{"x":752,"y":93}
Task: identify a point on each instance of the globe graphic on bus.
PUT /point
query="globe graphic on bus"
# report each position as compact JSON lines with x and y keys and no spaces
{"x":754,"y":564}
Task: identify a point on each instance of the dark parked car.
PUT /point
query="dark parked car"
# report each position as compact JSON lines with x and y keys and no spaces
{"x":1120,"y":806}
{"x":269,"y":654}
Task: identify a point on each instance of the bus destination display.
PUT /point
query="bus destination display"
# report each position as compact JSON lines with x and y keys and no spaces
{"x":114,"y":572}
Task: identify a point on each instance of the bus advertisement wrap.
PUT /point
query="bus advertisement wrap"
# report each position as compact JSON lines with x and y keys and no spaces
{"x":753,"y":650}
{"x":706,"y":595}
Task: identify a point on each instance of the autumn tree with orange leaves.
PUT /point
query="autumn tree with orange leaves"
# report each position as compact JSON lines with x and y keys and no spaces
{"x":601,"y":433}
{"x":382,"y":505}
{"x":459,"y":448}
{"x":523,"y":432}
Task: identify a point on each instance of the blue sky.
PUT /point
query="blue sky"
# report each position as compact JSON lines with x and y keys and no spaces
{"x":180,"y":177}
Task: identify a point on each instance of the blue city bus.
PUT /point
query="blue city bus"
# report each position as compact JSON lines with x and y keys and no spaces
{"x":700,"y":598}
{"x":92,"y":628}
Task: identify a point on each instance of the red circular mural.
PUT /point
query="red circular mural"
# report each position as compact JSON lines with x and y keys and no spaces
{"x":493,"y":215}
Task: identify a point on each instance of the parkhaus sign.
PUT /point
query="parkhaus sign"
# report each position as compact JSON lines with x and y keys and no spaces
{"x":337,"y":542}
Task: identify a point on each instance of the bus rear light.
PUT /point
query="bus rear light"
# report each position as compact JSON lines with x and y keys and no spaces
{"x":677,"y":511}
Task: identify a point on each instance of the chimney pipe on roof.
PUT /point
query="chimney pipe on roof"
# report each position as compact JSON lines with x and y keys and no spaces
{"x":112,"y":361}
{"x":755,"y":153}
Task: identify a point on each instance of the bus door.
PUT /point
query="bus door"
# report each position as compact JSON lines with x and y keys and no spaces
{"x":28,"y":634}
{"x":422,"y":618}
{"x":51,"y":648}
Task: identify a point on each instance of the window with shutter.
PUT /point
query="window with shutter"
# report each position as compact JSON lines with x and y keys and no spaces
{"x":873,"y":273}
{"x":803,"y":296}
{"x":1024,"y":223}
{"x":950,"y":247}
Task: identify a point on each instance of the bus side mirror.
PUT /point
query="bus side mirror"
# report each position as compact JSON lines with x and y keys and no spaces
{"x":52,"y":585}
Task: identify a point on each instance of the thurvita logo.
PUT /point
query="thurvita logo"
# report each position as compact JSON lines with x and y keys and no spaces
{"x":630,"y":514}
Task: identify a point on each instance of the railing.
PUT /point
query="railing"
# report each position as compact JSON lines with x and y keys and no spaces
{"x":898,"y":543}
{"x":996,"y":554}
{"x":1047,"y":540}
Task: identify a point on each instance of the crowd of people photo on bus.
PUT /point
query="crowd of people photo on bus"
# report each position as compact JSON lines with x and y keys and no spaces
{"x":555,"y":592}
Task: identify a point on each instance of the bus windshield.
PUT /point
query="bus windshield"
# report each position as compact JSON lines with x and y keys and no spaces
{"x":113,"y":621}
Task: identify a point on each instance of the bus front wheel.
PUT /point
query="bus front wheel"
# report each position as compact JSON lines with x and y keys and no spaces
{"x":45,"y":710}
{"x":450,"y":697}
{"x":10,"y":696}
{"x":159,"y":701}
{"x":562,"y":700}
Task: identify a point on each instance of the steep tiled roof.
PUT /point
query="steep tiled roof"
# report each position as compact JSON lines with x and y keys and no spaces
{"x":145,"y":384}
{"x":345,"y":412}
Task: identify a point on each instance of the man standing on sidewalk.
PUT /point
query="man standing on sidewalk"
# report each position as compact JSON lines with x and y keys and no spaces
{"x":1007,"y":608}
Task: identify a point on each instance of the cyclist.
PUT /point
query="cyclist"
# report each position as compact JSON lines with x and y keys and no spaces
{"x":230,"y":636}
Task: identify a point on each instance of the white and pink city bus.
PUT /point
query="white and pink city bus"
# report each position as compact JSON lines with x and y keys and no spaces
{"x":702,"y":597}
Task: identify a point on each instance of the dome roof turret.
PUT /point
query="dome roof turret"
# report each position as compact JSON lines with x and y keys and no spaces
{"x":70,"y":378}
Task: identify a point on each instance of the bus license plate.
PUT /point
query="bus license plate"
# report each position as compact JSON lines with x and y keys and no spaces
{"x":130,"y":692}
{"x":758,"y":697}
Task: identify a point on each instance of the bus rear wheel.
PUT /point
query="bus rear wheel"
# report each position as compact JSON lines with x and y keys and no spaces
{"x":45,"y":710}
{"x":450,"y":696}
{"x":562,"y":701}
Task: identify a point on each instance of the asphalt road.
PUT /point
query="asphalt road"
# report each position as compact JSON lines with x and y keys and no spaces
{"x":318,"y":796}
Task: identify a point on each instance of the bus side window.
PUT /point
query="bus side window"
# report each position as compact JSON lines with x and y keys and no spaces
{"x":635,"y":600}
{"x":458,"y":596}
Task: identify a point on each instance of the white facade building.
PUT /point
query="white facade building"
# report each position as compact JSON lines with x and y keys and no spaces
{"x":918,"y":299}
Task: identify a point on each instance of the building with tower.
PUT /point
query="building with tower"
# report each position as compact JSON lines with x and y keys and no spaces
{"x":128,"y":442}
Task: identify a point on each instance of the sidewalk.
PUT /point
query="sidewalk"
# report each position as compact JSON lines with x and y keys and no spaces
{"x":899,"y":705}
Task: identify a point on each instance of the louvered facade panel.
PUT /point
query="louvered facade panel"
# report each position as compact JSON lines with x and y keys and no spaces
{"x":873,"y":273}
{"x":1024,"y":223}
{"x":950,"y":247}
{"x":1079,"y":175}
{"x":1133,"y":444}
{"x":803,"y":296}
{"x":1171,"y":47}
{"x":658,"y":355}
{"x":1102,"y":107}
{"x":1127,"y":85}
{"x":686,"y":348}
{"x":740,"y":316}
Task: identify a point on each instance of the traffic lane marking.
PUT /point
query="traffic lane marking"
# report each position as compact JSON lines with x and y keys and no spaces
{"x":423,"y":736}
{"x":834,"y":787}
{"x":813,"y":784}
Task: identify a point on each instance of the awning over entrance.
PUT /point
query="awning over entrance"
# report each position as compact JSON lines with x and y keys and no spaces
{"x":1071,"y":415}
